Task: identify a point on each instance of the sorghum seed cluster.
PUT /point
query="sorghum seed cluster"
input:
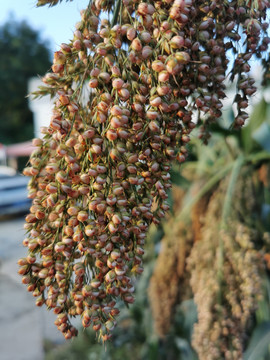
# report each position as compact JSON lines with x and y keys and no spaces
{"x":226,"y":305}
{"x":126,"y":91}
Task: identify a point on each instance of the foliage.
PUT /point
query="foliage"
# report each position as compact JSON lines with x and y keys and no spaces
{"x":23,"y":55}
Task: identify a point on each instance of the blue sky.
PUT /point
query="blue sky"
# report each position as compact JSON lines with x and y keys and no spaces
{"x":56,"y":23}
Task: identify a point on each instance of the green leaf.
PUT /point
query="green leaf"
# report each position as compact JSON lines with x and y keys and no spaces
{"x":179,"y":180}
{"x":184,"y":346}
{"x":263,"y":310}
{"x":208,"y":186}
{"x":257,"y":117}
{"x":116,"y":12}
{"x":259,"y":343}
{"x":226,"y":211}
{"x":258,"y":156}
{"x":228,"y":118}
{"x":262,"y":136}
{"x":189,"y":309}
{"x":218,"y":129}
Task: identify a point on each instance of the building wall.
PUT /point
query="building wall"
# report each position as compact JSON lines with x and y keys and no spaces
{"x":41,"y":108}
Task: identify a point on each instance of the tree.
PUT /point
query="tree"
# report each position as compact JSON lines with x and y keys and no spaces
{"x":23,"y":55}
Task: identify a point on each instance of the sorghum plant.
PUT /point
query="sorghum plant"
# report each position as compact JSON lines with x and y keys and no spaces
{"x":127,"y":89}
{"x":217,"y":252}
{"x":226,"y":280}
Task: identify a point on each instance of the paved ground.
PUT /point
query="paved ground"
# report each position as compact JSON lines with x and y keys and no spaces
{"x":23,"y":326}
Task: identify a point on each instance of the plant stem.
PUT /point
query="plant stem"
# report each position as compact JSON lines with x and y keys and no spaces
{"x":204,"y":190}
{"x":116,"y":12}
{"x":262,"y":155}
{"x":224,"y":219}
{"x":230,"y":191}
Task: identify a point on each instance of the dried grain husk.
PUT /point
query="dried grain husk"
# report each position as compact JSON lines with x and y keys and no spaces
{"x":225,"y":277}
{"x":169,"y":284}
{"x":198,"y":212}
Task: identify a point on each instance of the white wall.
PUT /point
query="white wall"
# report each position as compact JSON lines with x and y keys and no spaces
{"x":41,"y":108}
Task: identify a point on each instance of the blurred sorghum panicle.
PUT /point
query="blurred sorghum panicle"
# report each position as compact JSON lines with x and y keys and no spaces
{"x":125,"y":94}
{"x":226,"y":281}
{"x":169,"y":282}
{"x":198,"y":214}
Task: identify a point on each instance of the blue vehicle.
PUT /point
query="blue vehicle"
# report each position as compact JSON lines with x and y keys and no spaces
{"x":13,"y":192}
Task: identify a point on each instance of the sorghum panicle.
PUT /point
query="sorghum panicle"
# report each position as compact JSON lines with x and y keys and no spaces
{"x":125,"y":96}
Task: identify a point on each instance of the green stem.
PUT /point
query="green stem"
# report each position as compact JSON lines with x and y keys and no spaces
{"x":204,"y":190}
{"x":116,"y":12}
{"x":224,"y":219}
{"x":230,"y":190}
{"x":262,"y":155}
{"x":230,"y":150}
